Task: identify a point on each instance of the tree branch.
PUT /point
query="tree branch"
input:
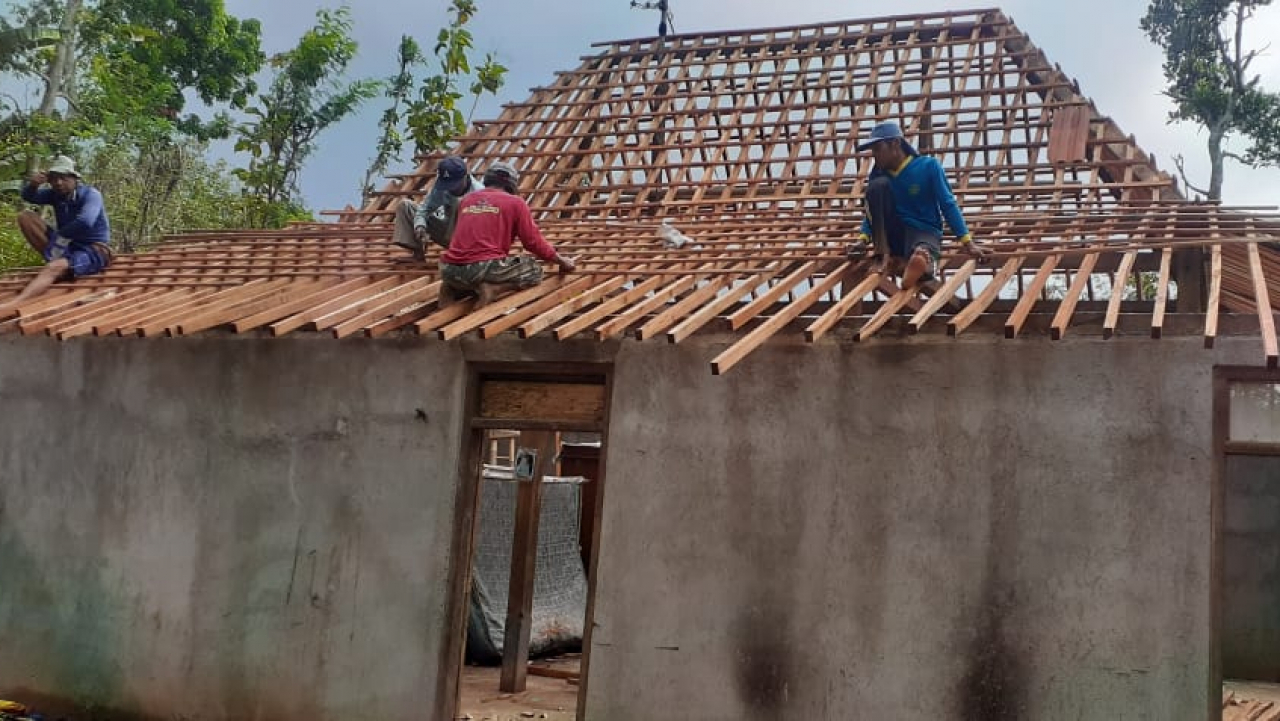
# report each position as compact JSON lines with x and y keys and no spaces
{"x":1182,"y":171}
{"x":1233,"y":156}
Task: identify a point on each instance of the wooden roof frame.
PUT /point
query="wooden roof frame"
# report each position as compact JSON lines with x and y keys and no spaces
{"x":746,"y":141}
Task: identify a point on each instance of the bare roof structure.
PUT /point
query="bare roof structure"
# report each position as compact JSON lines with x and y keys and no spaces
{"x":746,"y":141}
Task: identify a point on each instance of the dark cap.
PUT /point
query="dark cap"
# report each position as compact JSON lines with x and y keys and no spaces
{"x":452,"y":174}
{"x":886,"y":131}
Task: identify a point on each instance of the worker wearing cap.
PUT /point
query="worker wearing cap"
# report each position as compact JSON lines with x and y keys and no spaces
{"x":906,"y":200}
{"x":78,"y":245}
{"x":435,"y":217}
{"x":489,"y":222}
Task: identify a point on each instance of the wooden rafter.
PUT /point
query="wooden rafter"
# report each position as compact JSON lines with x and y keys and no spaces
{"x":746,"y":141}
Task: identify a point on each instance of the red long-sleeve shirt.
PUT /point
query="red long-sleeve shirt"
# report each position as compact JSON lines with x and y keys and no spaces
{"x":489,"y":221}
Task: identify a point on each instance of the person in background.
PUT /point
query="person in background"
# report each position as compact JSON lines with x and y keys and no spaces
{"x":79,"y":244}
{"x":435,"y":217}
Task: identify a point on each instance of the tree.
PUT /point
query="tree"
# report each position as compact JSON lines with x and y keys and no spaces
{"x":120,"y":64}
{"x":148,"y":54}
{"x":1207,"y":68}
{"x":434,"y":118}
{"x":139,"y":56}
{"x":398,"y":89}
{"x":163,"y":188}
{"x":115,"y":76}
{"x":306,"y":96}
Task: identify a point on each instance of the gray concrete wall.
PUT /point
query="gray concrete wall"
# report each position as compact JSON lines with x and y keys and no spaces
{"x":225,"y":528}
{"x":259,"y":529}
{"x":1251,"y":569}
{"x":955,"y":530}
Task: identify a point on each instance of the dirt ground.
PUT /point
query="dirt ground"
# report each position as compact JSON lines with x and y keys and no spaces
{"x":544,"y":699}
{"x":1250,"y":701}
{"x":554,"y":699}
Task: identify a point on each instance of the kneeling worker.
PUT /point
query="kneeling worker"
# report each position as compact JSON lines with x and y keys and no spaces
{"x":489,"y":221}
{"x":78,"y":246}
{"x":436,"y":216}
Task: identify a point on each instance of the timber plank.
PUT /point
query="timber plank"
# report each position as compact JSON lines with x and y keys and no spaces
{"x":735,"y":353}
{"x":1215,"y":296}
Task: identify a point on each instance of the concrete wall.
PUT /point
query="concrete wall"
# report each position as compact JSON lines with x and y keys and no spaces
{"x":259,"y":529}
{"x":1251,"y":569}
{"x":226,"y":529}
{"x":955,"y":530}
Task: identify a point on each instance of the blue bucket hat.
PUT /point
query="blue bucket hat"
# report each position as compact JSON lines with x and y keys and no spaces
{"x":452,"y":174}
{"x":886,"y":131}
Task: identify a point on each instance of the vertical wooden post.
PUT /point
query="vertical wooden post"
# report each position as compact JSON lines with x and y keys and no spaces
{"x":584,"y":461}
{"x":524,"y":562}
{"x":1188,"y":273}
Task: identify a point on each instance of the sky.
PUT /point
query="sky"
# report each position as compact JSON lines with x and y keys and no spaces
{"x":1097,"y":42}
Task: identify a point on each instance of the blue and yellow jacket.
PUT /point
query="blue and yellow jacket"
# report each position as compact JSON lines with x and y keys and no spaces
{"x":922,"y":196}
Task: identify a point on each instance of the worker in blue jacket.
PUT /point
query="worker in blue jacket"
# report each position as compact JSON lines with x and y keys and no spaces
{"x":78,"y":245}
{"x":906,"y":200}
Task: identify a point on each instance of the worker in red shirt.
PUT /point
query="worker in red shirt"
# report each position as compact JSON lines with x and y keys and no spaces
{"x":489,"y":221}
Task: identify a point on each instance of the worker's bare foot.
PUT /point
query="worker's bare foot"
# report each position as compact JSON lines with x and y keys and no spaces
{"x":485,"y":295}
{"x":919,"y":267}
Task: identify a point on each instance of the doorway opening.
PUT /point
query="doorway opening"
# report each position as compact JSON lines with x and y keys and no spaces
{"x":1247,"y":542}
{"x":529,"y":508}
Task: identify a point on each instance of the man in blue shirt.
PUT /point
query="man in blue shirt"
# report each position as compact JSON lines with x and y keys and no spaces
{"x":906,"y":200}
{"x":78,"y":245}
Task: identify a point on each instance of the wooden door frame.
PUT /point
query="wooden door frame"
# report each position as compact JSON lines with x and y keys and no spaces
{"x":1223,"y":377}
{"x":467,"y":502}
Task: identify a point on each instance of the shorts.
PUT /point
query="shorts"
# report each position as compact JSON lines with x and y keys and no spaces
{"x":522,"y":271}
{"x":84,"y":258}
{"x":912,"y":237}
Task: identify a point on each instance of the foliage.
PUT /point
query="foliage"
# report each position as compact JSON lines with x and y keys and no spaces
{"x":434,"y":117}
{"x":17,"y":39}
{"x":161,"y":186}
{"x":146,"y":54}
{"x":398,"y":89}
{"x":118,"y":66}
{"x":32,"y":33}
{"x":1207,"y":70}
{"x":305,"y":97}
{"x":14,"y":250}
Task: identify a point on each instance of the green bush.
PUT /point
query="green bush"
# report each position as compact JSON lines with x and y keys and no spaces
{"x":14,"y":250}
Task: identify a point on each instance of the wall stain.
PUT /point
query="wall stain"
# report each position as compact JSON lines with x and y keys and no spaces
{"x":764,"y":665}
{"x":994,"y":685}
{"x":767,"y":660}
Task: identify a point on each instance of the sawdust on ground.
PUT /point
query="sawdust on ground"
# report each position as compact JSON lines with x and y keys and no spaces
{"x":544,"y":699}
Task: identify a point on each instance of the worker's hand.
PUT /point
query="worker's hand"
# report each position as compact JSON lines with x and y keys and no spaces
{"x":420,"y":234}
{"x":38,"y":178}
{"x":567,"y":265}
{"x":979,"y":252}
{"x":859,"y":248}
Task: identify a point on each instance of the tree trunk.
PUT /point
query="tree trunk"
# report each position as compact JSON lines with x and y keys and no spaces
{"x":1216,"y":135}
{"x":60,"y":70}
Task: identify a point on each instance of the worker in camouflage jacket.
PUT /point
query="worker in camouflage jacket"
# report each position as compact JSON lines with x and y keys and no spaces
{"x":436,"y":216}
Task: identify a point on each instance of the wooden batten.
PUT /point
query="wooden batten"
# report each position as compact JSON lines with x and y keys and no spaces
{"x":713,"y":185}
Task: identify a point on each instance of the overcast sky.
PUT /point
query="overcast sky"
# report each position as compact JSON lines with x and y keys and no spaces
{"x":1098,"y":42}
